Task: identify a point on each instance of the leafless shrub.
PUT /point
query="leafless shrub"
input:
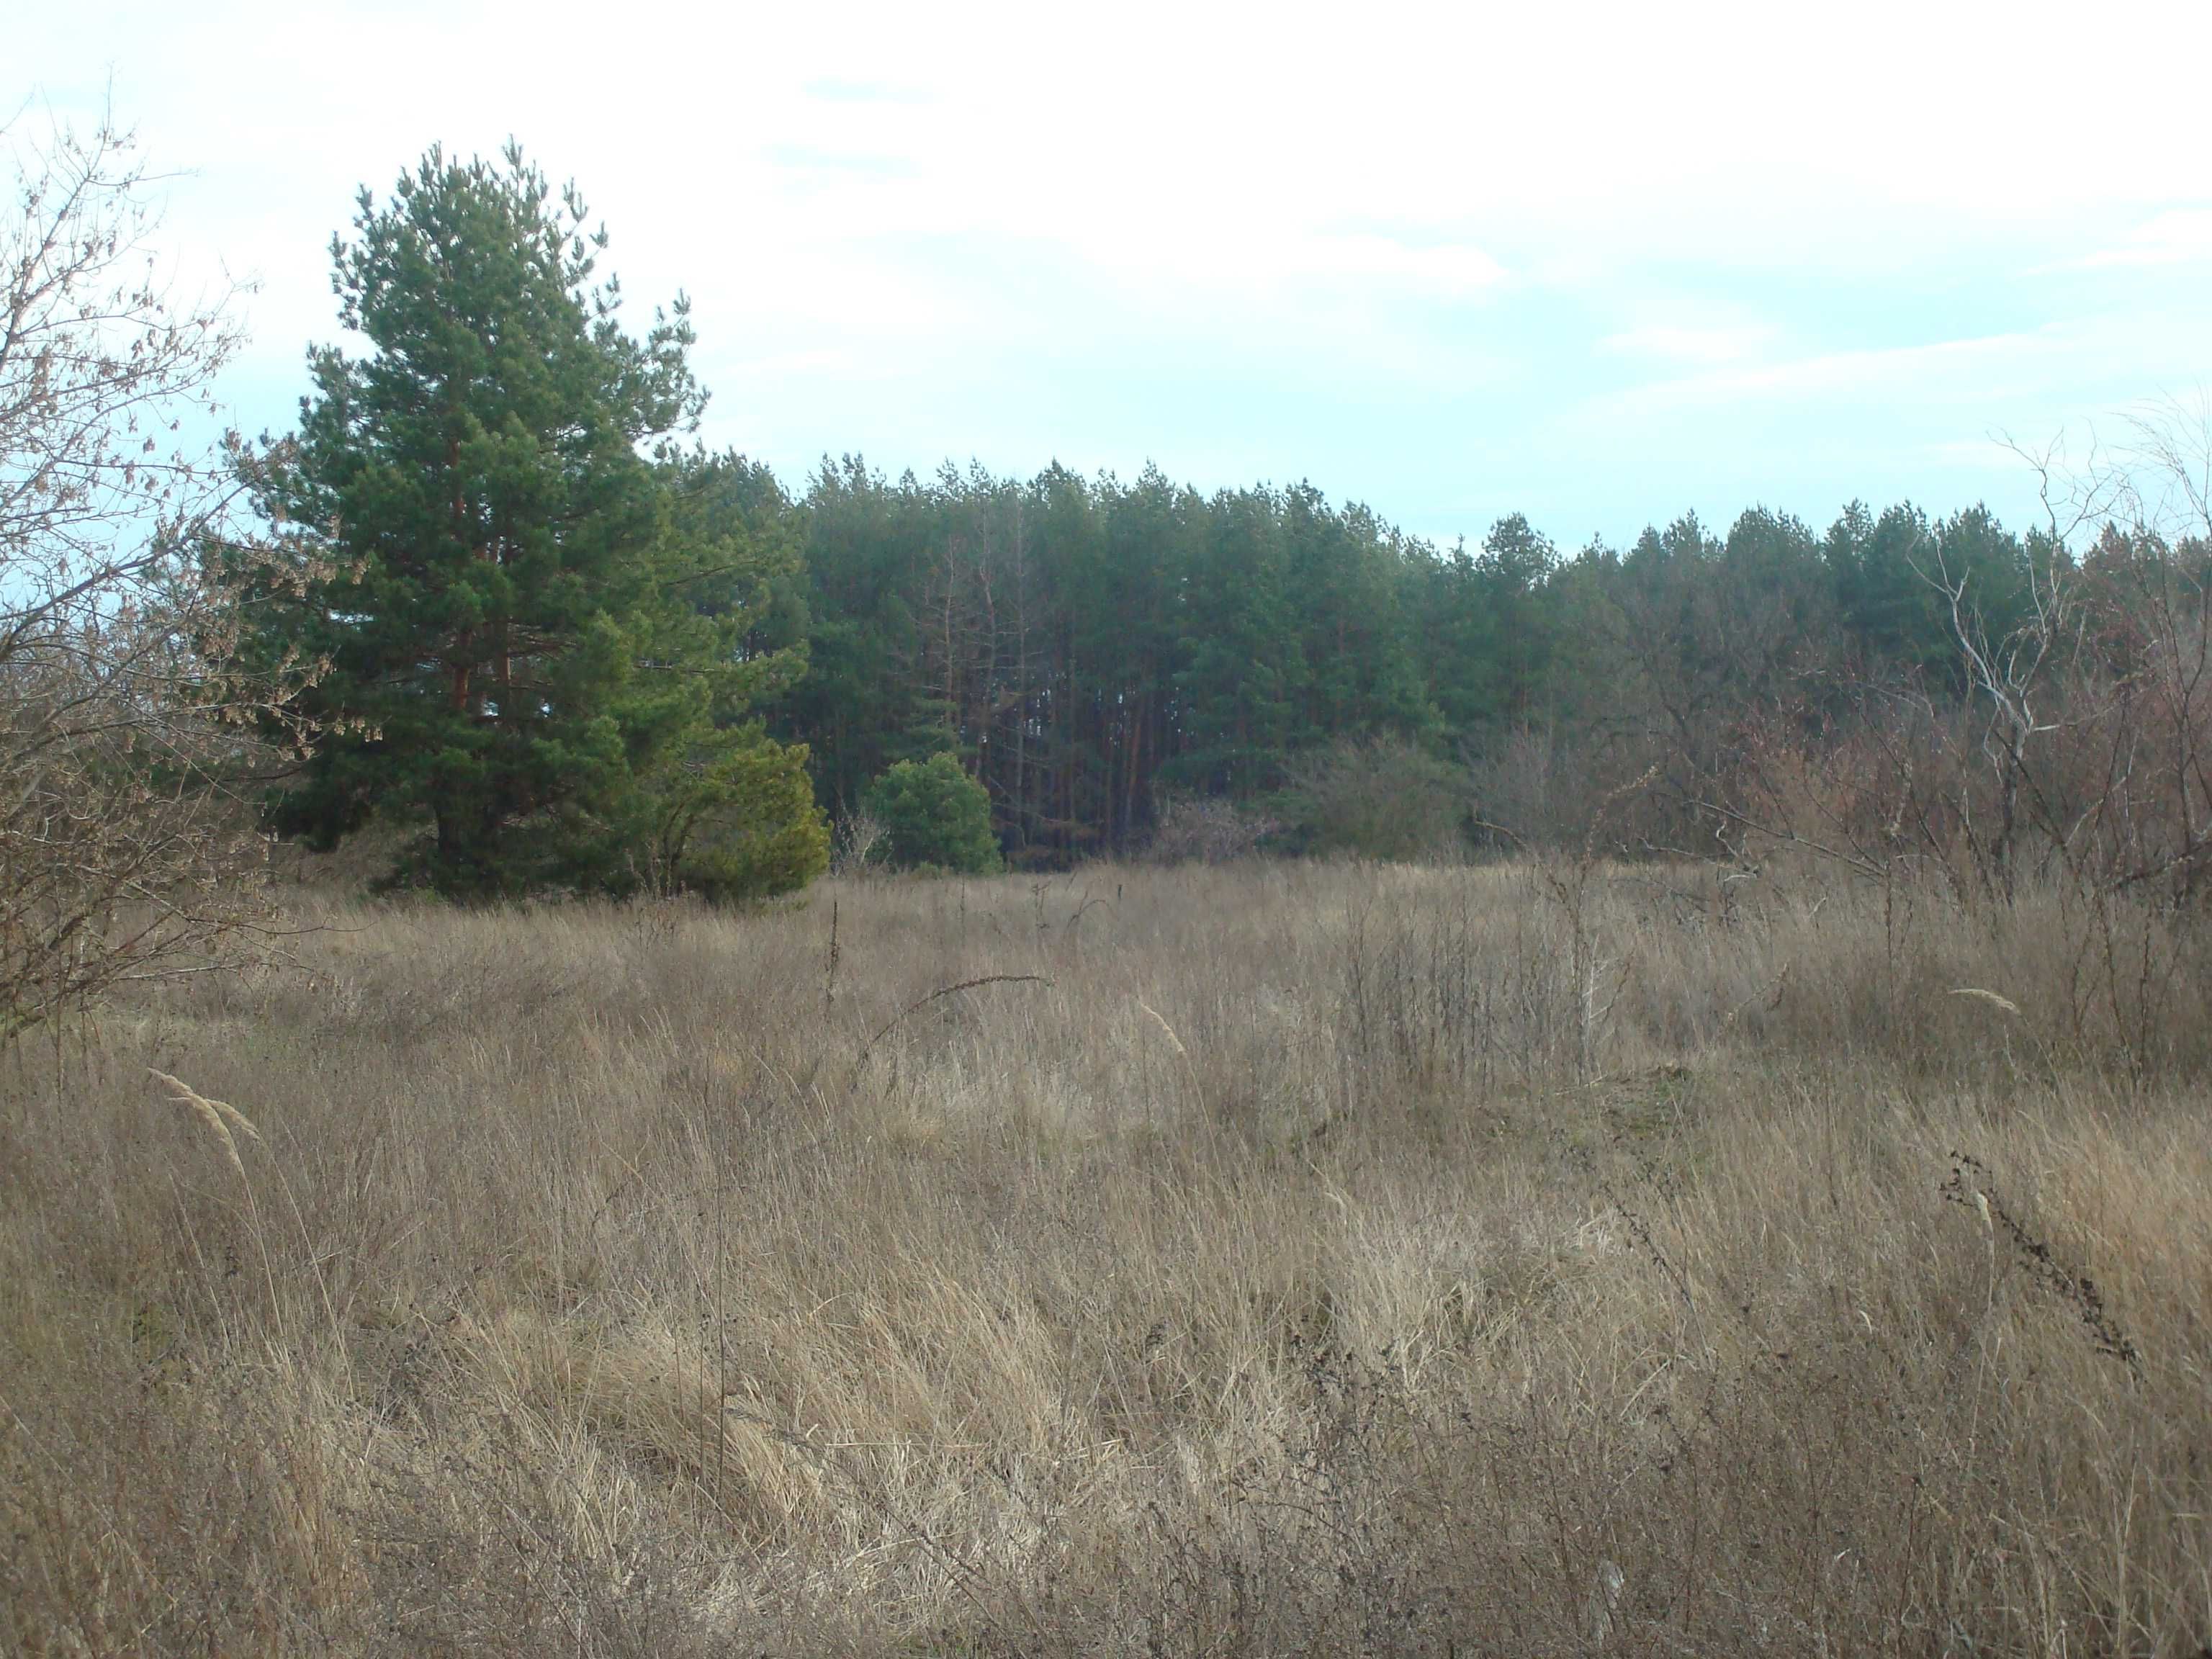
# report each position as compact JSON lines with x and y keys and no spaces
{"x":2067,"y":771}
{"x":1382,"y":797}
{"x":858,"y":845}
{"x":1529,"y":779}
{"x":126,"y":722}
{"x":1207,"y":830}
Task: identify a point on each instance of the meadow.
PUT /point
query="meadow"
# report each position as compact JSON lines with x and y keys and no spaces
{"x":1534,"y":1258}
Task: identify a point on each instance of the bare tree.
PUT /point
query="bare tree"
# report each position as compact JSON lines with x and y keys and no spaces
{"x":2009,"y":676}
{"x":125,"y":719}
{"x":2126,"y":798}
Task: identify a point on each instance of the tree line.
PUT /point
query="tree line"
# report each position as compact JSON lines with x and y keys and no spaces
{"x":491,"y":594}
{"x":1095,"y":650}
{"x":586,"y":654}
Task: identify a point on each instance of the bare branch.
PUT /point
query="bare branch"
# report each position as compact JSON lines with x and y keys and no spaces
{"x":127,"y":726}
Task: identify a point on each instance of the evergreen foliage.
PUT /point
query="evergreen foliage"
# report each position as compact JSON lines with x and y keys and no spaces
{"x":935,"y":816}
{"x":544,"y":641}
{"x":578,"y":657}
{"x":1098,"y":646}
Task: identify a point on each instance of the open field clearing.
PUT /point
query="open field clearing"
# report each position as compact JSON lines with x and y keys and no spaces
{"x":1260,"y":1259}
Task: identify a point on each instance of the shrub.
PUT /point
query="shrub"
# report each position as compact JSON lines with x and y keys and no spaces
{"x":935,"y":815}
{"x":1383,"y":799}
{"x":1206,"y":829}
{"x":124,"y":855}
{"x":761,"y":834}
{"x":857,"y":845}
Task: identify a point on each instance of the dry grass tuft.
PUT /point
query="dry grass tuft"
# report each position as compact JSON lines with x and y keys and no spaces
{"x":1166,"y":1030}
{"x":1990,"y":997}
{"x":1445,"y":1261}
{"x":220,"y":1116}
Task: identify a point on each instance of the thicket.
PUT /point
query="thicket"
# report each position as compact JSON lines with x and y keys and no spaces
{"x":1898,"y":685}
{"x":125,"y":853}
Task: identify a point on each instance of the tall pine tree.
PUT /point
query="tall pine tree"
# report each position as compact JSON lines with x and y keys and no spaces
{"x":511,"y":608}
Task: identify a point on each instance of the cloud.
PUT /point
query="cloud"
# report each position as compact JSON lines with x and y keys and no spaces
{"x":1448,"y":271}
{"x":1986,"y":454}
{"x":1943,"y":368}
{"x":806,"y":158}
{"x":1688,"y":345}
{"x":2178,"y":236}
{"x":833,"y":91}
{"x":1717,"y":238}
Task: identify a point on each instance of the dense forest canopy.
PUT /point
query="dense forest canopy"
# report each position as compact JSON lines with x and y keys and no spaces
{"x":565,"y":648}
{"x":1095,"y":649}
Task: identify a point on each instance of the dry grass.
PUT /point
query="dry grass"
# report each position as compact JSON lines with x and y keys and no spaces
{"x":1251,"y":1259}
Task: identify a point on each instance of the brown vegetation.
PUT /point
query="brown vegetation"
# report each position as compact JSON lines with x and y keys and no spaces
{"x":1250,"y":1260}
{"x":127,"y":717}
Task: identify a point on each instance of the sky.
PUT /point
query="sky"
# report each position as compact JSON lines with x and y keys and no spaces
{"x":1597,"y":264}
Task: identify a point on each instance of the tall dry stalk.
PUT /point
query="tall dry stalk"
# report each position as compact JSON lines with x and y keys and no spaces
{"x":1399,"y":1338}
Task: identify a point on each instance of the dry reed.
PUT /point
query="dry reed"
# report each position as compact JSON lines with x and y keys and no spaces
{"x":1371,"y":1293}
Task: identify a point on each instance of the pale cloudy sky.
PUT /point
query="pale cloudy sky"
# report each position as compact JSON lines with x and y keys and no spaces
{"x":1599,"y":263}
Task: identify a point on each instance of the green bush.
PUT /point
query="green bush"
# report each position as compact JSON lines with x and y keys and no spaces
{"x":1384,"y":799}
{"x":762,"y":835}
{"x":935,"y":815}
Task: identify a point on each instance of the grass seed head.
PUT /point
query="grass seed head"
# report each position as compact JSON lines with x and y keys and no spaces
{"x":218,"y":1115}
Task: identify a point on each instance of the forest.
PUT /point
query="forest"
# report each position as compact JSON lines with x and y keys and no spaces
{"x":493,"y":600}
{"x":1096,"y":651}
{"x":604,"y":1053}
{"x":1131,"y":667}
{"x":550,"y":643}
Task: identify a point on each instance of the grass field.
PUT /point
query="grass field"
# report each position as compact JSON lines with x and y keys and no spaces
{"x":1249,"y":1259}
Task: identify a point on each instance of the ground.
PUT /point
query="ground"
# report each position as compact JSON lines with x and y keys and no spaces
{"x":1258,"y":1258}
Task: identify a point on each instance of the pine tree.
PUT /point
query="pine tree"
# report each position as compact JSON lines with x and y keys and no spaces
{"x":936,"y":817}
{"x":521,"y":657}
